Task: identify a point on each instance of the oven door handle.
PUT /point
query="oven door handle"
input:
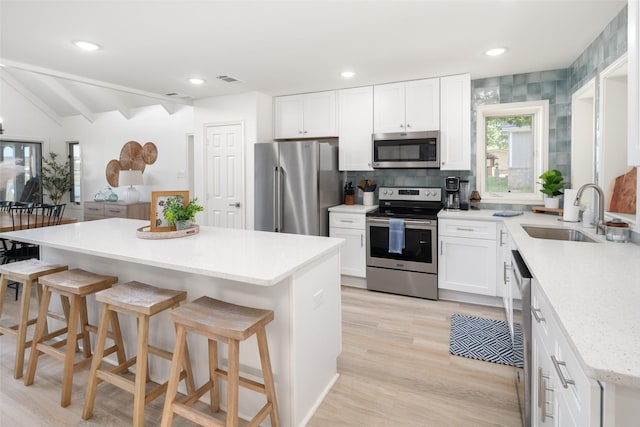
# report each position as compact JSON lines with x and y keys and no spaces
{"x":408,"y":222}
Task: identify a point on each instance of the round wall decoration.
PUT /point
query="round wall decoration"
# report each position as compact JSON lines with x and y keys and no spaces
{"x":113,"y":172}
{"x":149,"y":153}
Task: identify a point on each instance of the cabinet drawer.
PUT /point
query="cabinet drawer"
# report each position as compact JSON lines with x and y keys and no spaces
{"x":344,"y":220}
{"x":93,"y":208}
{"x":115,"y":211}
{"x":464,"y":228}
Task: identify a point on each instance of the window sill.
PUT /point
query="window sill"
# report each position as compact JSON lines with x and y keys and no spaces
{"x":501,"y":200}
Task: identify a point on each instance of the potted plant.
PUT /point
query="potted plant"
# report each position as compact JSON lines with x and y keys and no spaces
{"x":552,"y":185}
{"x":56,"y":178}
{"x":182,"y":215}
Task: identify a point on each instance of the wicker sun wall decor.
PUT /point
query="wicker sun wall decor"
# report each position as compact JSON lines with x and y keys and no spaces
{"x":133,"y":156}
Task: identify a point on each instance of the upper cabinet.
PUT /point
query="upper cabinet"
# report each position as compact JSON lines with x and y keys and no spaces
{"x":455,"y":122}
{"x":355,"y":112}
{"x":407,"y":106}
{"x":310,"y":115}
{"x":633,"y":156}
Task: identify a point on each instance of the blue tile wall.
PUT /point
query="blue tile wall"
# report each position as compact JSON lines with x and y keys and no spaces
{"x":557,"y":86}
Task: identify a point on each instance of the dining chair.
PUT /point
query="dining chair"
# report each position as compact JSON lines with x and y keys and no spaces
{"x":23,"y":216}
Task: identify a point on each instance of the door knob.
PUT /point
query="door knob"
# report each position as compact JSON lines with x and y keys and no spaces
{"x":235,"y":205}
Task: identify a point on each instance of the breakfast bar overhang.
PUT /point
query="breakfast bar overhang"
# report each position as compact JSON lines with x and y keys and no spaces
{"x":298,"y":277}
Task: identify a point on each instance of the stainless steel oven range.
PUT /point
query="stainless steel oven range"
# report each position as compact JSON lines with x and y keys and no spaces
{"x":402,"y":238}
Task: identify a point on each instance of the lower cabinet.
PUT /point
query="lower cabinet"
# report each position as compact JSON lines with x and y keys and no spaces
{"x":102,"y":210}
{"x":467,"y":256}
{"x":351,"y":227}
{"x":562,"y":394}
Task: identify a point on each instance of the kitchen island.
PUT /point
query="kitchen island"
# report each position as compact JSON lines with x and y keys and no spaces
{"x":298,"y":277}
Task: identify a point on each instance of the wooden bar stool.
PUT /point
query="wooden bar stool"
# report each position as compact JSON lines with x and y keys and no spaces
{"x":26,"y":273}
{"x":229,"y":323}
{"x":142,"y":301}
{"x":74,"y":284}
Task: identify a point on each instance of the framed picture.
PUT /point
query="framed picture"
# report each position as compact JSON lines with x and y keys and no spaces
{"x":158,"y":200}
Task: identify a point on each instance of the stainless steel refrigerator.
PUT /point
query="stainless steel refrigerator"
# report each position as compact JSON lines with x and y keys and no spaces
{"x":295,"y":184}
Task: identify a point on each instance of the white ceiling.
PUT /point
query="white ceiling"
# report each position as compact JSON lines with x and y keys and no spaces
{"x":150,"y":48}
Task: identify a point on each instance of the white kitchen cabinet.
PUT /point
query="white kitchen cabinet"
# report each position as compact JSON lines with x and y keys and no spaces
{"x":407,"y":106}
{"x":455,"y":122}
{"x":309,"y":115}
{"x":355,"y":126}
{"x":467,"y":256}
{"x":562,"y":394}
{"x":633,"y":112}
{"x":352,"y":228}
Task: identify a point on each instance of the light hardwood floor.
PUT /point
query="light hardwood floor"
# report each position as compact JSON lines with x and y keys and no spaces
{"x":395,"y":370}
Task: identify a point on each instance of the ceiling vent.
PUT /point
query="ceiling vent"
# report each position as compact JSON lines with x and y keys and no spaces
{"x":227,"y":79}
{"x":177,"y":95}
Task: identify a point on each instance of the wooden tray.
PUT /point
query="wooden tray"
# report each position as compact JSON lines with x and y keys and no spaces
{"x":146,"y":233}
{"x":542,"y":209}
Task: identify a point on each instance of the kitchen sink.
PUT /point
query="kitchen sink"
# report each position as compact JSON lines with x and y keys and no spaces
{"x":557,"y":234}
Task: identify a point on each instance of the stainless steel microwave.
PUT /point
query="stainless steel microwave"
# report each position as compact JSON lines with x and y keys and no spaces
{"x":406,"y":150}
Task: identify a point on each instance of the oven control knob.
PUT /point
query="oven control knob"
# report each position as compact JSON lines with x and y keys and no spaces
{"x":390,"y":192}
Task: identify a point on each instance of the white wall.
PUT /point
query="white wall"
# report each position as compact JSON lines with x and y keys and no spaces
{"x":102,"y":140}
{"x":253,"y":111}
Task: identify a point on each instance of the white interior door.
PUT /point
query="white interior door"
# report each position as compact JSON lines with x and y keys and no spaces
{"x":225,"y":184}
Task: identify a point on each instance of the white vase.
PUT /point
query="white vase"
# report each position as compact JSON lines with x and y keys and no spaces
{"x":367,"y":198}
{"x":552,"y":202}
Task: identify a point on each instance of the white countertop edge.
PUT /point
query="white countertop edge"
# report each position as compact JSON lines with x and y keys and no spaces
{"x":238,"y":277}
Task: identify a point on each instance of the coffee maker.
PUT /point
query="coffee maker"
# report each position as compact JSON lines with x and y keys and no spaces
{"x":457,"y":193}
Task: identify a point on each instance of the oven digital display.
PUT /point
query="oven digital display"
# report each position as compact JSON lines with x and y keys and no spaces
{"x":409,"y":192}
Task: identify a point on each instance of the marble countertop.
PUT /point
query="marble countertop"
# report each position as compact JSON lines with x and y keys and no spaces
{"x":255,"y":257}
{"x":355,"y":209}
{"x":594,"y":289}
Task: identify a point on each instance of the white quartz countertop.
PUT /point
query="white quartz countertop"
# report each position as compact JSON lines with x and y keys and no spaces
{"x":594,"y":289}
{"x":355,"y":209}
{"x":255,"y":257}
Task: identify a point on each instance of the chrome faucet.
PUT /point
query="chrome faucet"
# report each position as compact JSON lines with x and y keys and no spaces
{"x":600,"y":224}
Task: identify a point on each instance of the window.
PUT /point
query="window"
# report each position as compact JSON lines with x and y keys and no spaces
{"x":75,"y":166}
{"x":20,"y":166}
{"x":512,"y":150}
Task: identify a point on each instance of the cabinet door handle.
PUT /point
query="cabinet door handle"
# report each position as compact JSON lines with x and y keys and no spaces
{"x":361,"y":241}
{"x":304,"y":131}
{"x":505,"y":277}
{"x":537,"y":314}
{"x":556,"y":364}
{"x":347,"y":220}
{"x":501,"y":233}
{"x":465,"y":229}
{"x":542,"y":395}
{"x":408,"y":125}
{"x":441,"y":250}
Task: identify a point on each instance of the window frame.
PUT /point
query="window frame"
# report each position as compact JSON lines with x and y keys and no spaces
{"x":540,"y":125}
{"x":70,"y":145}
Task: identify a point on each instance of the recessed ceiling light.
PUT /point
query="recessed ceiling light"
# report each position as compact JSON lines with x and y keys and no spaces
{"x":196,"y":81}
{"x":497,"y":51}
{"x":347,"y":74}
{"x":84,"y":45}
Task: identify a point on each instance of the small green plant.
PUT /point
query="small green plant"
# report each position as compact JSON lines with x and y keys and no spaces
{"x":56,"y":177}
{"x":552,"y":182}
{"x":176,"y":211}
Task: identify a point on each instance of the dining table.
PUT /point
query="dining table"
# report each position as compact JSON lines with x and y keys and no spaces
{"x":6,"y":222}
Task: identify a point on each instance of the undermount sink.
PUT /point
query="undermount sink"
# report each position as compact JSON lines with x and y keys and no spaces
{"x":557,"y":234}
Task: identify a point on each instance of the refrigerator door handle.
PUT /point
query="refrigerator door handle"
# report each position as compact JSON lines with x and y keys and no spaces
{"x":274,"y":199}
{"x":280,"y":215}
